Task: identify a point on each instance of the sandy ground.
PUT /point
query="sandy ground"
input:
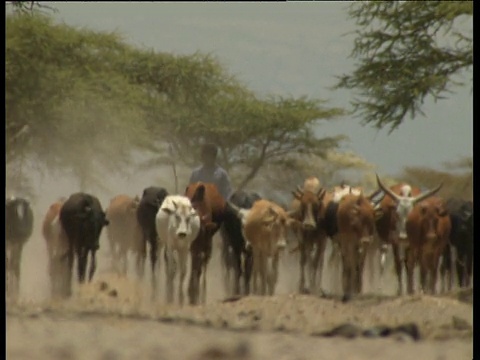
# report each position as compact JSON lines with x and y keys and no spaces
{"x":117,"y":320}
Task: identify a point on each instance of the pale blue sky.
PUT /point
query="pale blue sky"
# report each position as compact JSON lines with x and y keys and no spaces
{"x":288,"y":49}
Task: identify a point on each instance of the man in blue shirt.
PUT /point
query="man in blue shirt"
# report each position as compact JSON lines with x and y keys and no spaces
{"x":211,"y":172}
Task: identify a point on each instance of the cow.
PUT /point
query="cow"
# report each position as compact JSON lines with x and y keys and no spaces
{"x":265,"y":227}
{"x":152,"y":199}
{"x":235,"y":255}
{"x":313,"y":239}
{"x":355,"y":217}
{"x":211,"y":207}
{"x":428,"y":230}
{"x":57,"y":249}
{"x":178,"y":225}
{"x":82,"y":219}
{"x":18,"y":229}
{"x":124,"y":232}
{"x":461,"y":239}
{"x":330,"y":223}
{"x":391,"y":227}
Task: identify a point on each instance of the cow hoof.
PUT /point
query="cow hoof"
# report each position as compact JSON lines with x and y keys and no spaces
{"x":103,"y":286}
{"x":305,"y":291}
{"x":346,"y":298}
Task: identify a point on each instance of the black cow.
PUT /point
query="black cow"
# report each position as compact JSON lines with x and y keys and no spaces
{"x":235,"y":256}
{"x":18,"y":229}
{"x":461,"y":238}
{"x":82,"y":219}
{"x":150,"y":202}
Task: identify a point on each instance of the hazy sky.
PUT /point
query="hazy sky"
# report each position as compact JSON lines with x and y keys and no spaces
{"x":289,"y":49}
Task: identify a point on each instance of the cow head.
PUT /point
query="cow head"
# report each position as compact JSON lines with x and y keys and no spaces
{"x":183,"y":218}
{"x":278,"y":222}
{"x":310,"y":207}
{"x":405,"y":203}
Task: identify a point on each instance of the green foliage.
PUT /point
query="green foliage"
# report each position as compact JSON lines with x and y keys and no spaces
{"x":82,"y":102}
{"x":406,"y":51}
{"x":457,"y":178}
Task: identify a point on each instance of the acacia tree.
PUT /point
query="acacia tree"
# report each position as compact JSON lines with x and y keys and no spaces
{"x":457,"y":178}
{"x":81,"y":101}
{"x":66,"y":109}
{"x":249,"y":131}
{"x":405,"y":52}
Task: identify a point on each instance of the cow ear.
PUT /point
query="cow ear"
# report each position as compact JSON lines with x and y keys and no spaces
{"x":211,"y":227}
{"x":167,"y":210}
{"x":294,"y":224}
{"x":296,"y":195}
{"x":441,"y":211}
{"x":199,"y":193}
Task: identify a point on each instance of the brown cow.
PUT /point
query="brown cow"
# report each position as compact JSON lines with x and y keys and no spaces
{"x":391,"y":227}
{"x":312,"y":237}
{"x":265,"y":227}
{"x":428,"y":230}
{"x":356,"y":222}
{"x":329,"y":216}
{"x":57,"y":248}
{"x":211,"y":206}
{"x":124,"y":232}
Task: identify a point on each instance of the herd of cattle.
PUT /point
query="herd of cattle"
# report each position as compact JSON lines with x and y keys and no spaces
{"x":421,"y":228}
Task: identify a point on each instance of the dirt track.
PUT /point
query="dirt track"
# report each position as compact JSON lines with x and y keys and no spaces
{"x":118,"y":321}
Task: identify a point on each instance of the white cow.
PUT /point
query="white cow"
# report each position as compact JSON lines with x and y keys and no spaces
{"x":178,"y":225}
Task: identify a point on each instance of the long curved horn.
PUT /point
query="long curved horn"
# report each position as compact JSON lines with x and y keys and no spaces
{"x":373,"y":194}
{"x":387,"y":190}
{"x":427,"y":194}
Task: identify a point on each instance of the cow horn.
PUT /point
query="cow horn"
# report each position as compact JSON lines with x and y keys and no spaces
{"x":291,"y":213}
{"x":321,"y":193}
{"x":373,"y":194}
{"x":234,"y":207}
{"x":387,"y":190}
{"x":427,"y":194}
{"x":300,"y":190}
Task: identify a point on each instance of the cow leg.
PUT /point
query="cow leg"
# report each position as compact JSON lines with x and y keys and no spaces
{"x":256,"y":270}
{"x":226,"y":258}
{"x":16,"y":263}
{"x":182,"y":262}
{"x":435,"y":259}
{"x":141,"y":257}
{"x":195,"y":271}
{"x":273,"y":274}
{"x":169,"y":273}
{"x":82,"y":263}
{"x":303,"y":260}
{"x":67,"y":289}
{"x":247,"y":272}
{"x":153,"y":263}
{"x":204,"y":282}
{"x":410,"y":256}
{"x":362,"y":254}
{"x":445,"y":269}
{"x":237,"y":261}
{"x":263,"y":274}
{"x":93,"y":264}
{"x":398,"y":268}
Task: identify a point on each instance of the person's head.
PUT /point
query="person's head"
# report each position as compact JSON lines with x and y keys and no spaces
{"x":209,"y":154}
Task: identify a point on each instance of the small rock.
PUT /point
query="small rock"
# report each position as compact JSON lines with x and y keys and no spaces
{"x":103,"y":286}
{"x":377,"y":331}
{"x":113,"y":293}
{"x":410,"y":329}
{"x":345,"y":330}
